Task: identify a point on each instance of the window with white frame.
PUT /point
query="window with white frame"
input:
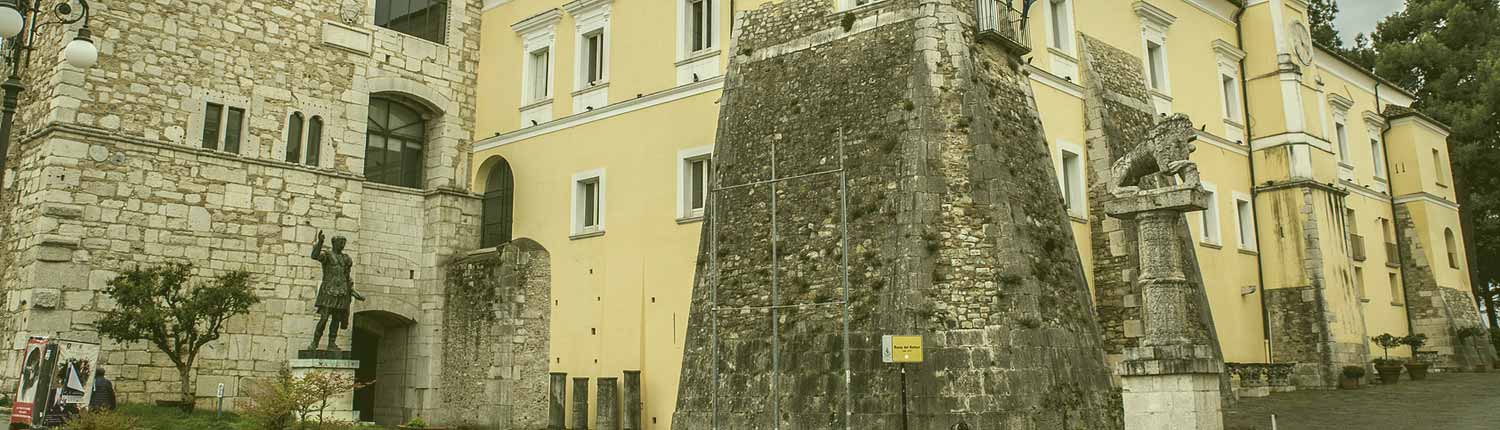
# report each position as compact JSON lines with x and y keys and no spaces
{"x":1209,"y":218}
{"x":1060,"y":13}
{"x":1154,"y":24}
{"x":1244,"y":213}
{"x":593,"y":58}
{"x":1071,"y":180}
{"x":1377,"y":156}
{"x":698,"y":25}
{"x":588,"y":202}
{"x":538,"y":37}
{"x":1229,"y":87}
{"x":694,"y":174}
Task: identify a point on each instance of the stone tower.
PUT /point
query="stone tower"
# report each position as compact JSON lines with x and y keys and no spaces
{"x":882,"y":171}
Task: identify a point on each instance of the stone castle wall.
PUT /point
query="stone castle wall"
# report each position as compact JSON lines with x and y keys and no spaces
{"x":1438,"y":311}
{"x":108,"y":174}
{"x":952,"y":228}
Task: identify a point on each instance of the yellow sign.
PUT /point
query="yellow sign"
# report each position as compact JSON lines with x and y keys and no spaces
{"x":901,"y":349}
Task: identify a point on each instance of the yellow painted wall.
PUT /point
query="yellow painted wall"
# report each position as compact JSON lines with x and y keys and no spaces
{"x":622,"y":298}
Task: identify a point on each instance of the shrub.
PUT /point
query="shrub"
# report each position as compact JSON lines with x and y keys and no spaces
{"x":1354,"y":372}
{"x":1386,"y":342}
{"x":103,"y":420}
{"x":1416,"y":342}
{"x":297,"y":402}
{"x":417,"y":423}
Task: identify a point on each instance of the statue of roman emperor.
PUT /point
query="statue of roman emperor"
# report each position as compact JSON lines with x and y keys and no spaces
{"x":336,"y":292}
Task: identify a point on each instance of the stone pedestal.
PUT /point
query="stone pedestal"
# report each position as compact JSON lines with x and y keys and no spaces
{"x":607,"y":415}
{"x":1171,"y":381}
{"x":632,"y":420}
{"x":557,"y":406}
{"x":340,"y":407}
{"x":580,"y":403}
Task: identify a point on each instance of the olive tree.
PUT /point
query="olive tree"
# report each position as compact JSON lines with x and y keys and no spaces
{"x":160,"y":306}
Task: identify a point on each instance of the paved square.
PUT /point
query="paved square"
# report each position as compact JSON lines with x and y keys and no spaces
{"x":1451,"y":401}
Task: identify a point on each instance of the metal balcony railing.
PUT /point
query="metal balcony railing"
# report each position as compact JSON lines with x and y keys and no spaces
{"x":1004,"y":21}
{"x":1357,"y":247}
{"x":1392,"y":258}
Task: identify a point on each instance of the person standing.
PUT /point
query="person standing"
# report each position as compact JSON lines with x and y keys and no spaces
{"x":104,"y":392}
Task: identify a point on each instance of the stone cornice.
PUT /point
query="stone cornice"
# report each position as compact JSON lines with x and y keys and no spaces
{"x":540,"y":21}
{"x":1340,"y":102}
{"x":1228,"y":50}
{"x":1154,"y":15}
{"x":576,"y":7}
{"x":1374,"y":119}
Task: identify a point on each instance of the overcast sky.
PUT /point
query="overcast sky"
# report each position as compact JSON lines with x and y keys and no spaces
{"x":1360,"y":16}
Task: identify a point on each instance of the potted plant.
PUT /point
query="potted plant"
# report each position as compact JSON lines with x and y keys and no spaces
{"x":1389,"y":369}
{"x":1417,"y":370}
{"x":1352,"y":375}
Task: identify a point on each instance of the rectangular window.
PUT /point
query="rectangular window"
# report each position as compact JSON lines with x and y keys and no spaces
{"x":1397,"y":296}
{"x":1210,"y":218}
{"x":1341,"y":133}
{"x":1377,"y":156}
{"x":1062,"y":26}
{"x":1156,"y":59}
{"x":233,"y":128}
{"x":1231,"y":97}
{"x":1245,"y":215}
{"x":700,"y":25}
{"x":588,"y":203}
{"x":593,"y":58}
{"x":1072,"y":182}
{"x":540,"y":86}
{"x":427,"y":19}
{"x":698,"y":192}
{"x":213,"y":118}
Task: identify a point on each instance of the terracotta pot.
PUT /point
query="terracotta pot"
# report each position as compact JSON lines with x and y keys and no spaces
{"x":1417,"y":371}
{"x":1388,"y":374}
{"x":1347,"y":383}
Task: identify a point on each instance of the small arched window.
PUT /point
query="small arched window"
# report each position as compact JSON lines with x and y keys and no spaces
{"x":314,"y":140}
{"x":294,"y":138}
{"x":499,"y":201}
{"x":393,"y":146}
{"x":1452,"y":248}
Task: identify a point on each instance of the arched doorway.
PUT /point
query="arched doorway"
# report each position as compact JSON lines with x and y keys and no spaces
{"x":499,"y":204}
{"x":381,"y":343}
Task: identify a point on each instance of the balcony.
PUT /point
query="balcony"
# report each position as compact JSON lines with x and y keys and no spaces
{"x":1004,"y":22}
{"x":1392,"y":258}
{"x":1357,"y":247}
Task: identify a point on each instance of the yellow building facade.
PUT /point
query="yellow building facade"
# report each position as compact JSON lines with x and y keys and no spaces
{"x":598,"y":119}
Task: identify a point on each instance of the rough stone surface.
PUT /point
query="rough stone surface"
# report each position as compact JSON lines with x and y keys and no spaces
{"x":495,"y":337}
{"x":1438,"y":311}
{"x":108,"y":173}
{"x":952,"y":227}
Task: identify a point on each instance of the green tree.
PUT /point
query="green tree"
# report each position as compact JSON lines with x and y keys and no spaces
{"x":157,"y":305}
{"x":1448,"y":53}
{"x":1321,"y":13}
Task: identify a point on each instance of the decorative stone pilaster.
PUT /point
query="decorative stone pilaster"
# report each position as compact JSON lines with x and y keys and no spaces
{"x":1170,"y":381}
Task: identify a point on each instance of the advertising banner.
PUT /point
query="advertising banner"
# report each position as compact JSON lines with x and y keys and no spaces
{"x":57,"y":378}
{"x":23,"y":408}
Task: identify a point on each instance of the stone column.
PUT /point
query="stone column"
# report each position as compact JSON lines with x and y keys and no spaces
{"x":607,"y":415}
{"x":557,"y":406}
{"x":1170,"y":381}
{"x":580,"y":404}
{"x":632,"y":419}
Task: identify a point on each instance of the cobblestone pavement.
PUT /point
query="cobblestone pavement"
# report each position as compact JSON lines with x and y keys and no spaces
{"x":1452,"y":401}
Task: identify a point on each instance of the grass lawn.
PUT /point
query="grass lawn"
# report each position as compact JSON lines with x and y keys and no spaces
{"x":160,"y":418}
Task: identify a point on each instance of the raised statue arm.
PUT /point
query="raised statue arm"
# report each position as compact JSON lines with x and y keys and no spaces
{"x":317,"y":252}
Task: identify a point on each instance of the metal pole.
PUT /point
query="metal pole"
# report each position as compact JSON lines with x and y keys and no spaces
{"x":904,"y":425}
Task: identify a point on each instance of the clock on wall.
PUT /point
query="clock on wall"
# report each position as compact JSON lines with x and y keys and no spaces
{"x":1302,"y":46}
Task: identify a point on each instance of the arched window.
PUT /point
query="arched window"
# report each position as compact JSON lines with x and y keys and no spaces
{"x":314,"y":140}
{"x":499,"y":201}
{"x":294,"y":138}
{"x":1452,"y":248}
{"x":393,"y":146}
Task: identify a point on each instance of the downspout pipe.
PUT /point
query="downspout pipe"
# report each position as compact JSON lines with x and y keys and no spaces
{"x":1390,"y":188}
{"x":1260,"y":264}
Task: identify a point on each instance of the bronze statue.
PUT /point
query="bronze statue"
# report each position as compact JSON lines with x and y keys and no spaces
{"x":336,"y":291}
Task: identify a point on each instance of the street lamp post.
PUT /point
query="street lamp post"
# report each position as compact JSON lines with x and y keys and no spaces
{"x":20,"y":22}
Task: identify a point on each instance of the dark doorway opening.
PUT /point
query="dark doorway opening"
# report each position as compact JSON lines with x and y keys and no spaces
{"x":382,"y":343}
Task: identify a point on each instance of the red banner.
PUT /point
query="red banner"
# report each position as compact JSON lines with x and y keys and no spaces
{"x":32,"y":377}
